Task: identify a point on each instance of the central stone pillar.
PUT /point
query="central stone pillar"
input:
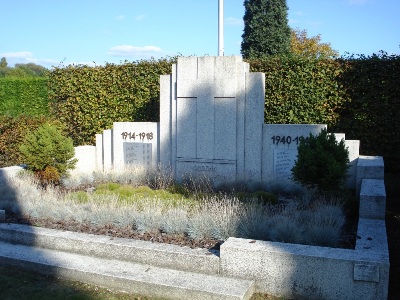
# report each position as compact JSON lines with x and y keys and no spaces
{"x":211,"y":116}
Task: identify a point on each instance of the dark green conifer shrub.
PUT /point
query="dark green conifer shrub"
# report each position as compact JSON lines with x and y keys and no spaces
{"x":48,"y":153}
{"x":321,"y":162}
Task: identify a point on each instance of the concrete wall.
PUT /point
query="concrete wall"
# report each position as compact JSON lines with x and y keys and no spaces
{"x":310,"y":272}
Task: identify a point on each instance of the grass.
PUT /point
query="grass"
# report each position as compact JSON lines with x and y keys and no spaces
{"x":24,"y":285}
{"x":202,"y":214}
{"x":17,"y":284}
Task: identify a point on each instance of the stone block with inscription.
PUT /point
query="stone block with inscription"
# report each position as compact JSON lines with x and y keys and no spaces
{"x":135,"y":144}
{"x":280,"y":142}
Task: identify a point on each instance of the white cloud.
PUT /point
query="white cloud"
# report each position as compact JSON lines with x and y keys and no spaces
{"x":26,"y":57}
{"x":233,"y":21}
{"x":120,"y":17}
{"x":17,"y":55}
{"x":127,"y":50}
{"x":140,"y":17}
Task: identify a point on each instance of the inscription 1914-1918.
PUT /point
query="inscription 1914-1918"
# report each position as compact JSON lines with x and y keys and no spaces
{"x":141,"y":135}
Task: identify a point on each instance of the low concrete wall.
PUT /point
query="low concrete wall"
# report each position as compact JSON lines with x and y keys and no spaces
{"x":310,"y":272}
{"x":301,"y":271}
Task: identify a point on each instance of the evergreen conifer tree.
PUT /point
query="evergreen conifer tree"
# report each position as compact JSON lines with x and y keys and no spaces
{"x":266,"y":29}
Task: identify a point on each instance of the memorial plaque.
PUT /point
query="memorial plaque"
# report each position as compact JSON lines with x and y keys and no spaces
{"x":126,"y":137}
{"x":137,"y":154}
{"x":279,"y":150}
{"x":219,"y":172}
{"x":284,"y":160}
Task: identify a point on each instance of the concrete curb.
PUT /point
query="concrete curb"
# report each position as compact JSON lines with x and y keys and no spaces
{"x":155,"y":254}
{"x":126,"y":276}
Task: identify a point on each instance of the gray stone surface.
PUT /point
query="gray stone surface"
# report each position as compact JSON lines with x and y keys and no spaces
{"x":127,"y":276}
{"x":204,"y":105}
{"x":372,"y":199}
{"x":369,"y":167}
{"x":86,"y":156}
{"x":310,"y":272}
{"x":8,"y":172}
{"x":353,"y":147}
{"x":279,"y":152}
{"x":107,"y":150}
{"x":99,"y":152}
{"x":162,"y":255}
{"x":127,"y":151}
{"x":254,"y":120}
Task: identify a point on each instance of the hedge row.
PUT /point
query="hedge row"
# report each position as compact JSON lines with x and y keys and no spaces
{"x":300,"y":90}
{"x":26,"y":96}
{"x":357,"y":96}
{"x":88,"y":100}
{"x":373,"y":115}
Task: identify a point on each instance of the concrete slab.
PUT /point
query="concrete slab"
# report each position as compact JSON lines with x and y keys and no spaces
{"x":369,"y":167}
{"x":372,"y":199}
{"x":126,"y":276}
{"x":156,"y":254}
{"x":310,"y":272}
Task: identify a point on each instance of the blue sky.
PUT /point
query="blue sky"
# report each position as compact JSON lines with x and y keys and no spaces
{"x":48,"y":32}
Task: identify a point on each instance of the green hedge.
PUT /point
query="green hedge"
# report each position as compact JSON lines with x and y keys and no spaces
{"x":300,"y":90}
{"x":89,"y":99}
{"x":27,"y":96}
{"x":357,"y":96}
{"x":373,"y":115}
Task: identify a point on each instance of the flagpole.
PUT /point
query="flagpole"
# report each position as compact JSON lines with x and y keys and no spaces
{"x":220,"y":27}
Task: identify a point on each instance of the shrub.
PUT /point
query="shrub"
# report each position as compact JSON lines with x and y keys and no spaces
{"x":259,"y":197}
{"x":12,"y":134}
{"x":321,"y":162}
{"x":48,"y":153}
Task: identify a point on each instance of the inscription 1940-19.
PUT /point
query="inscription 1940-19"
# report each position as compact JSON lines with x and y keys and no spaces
{"x":285,"y":140}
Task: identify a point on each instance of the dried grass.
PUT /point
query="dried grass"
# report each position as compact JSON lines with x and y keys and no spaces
{"x":312,"y":220}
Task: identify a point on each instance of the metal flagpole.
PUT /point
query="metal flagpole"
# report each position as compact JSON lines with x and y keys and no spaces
{"x":220,"y":27}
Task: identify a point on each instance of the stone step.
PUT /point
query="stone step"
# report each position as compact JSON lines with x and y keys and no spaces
{"x":125,"y":276}
{"x":155,"y":254}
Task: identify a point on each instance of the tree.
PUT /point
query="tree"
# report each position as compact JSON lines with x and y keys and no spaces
{"x":310,"y":47}
{"x":3,"y":67}
{"x":321,"y":163}
{"x":48,"y":153}
{"x":33,"y":69}
{"x":266,"y":29}
{"x":21,"y":70}
{"x":3,"y":63}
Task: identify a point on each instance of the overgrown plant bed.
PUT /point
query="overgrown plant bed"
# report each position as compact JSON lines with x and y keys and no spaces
{"x":202,"y":219}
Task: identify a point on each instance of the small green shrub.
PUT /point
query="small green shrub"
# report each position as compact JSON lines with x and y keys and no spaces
{"x":261,"y":197}
{"x":321,"y":162}
{"x":48,"y":153}
{"x":12,"y":134}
